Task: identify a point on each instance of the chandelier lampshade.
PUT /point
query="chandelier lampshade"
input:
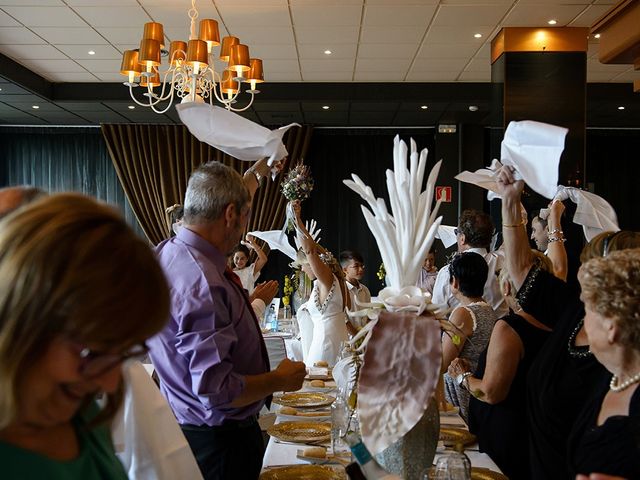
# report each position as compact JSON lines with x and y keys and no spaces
{"x":130,"y":66}
{"x":239,"y":59}
{"x":209,"y":33}
{"x":191,"y":73}
{"x":225,"y":50}
{"x":154,"y":31}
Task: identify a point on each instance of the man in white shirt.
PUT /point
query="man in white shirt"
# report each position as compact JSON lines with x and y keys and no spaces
{"x":352,"y":265}
{"x":473,"y":234}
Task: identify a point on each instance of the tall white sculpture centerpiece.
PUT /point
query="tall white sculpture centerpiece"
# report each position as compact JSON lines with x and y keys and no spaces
{"x":402,"y":351}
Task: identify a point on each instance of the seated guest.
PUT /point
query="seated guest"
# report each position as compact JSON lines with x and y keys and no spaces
{"x":81,"y":293}
{"x":497,"y":409}
{"x":605,"y":436}
{"x":473,"y":319}
{"x":352,"y":265}
{"x":328,"y":301}
{"x":428,"y":273}
{"x":474,"y":234}
{"x":565,"y":370}
{"x":248,"y":273}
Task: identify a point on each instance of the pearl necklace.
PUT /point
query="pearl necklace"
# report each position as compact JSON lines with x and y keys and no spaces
{"x":615,"y":386}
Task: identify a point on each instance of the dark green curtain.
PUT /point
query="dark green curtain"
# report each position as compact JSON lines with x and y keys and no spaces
{"x":333,"y":157}
{"x":59,"y":159}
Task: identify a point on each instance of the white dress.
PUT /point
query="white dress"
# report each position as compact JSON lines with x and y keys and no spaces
{"x":329,"y":325}
{"x":247,"y":277}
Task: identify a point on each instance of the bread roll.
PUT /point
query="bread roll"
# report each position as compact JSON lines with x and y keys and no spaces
{"x":321,"y":363}
{"x":315,"y":452}
{"x":288,"y":411}
{"x":317,"y":383}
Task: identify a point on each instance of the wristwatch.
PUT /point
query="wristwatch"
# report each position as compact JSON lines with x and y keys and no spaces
{"x":460,"y":378}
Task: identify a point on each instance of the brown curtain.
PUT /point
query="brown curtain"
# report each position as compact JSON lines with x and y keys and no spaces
{"x":153,"y":164}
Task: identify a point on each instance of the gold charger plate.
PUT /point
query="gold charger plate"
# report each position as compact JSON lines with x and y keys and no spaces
{"x":304,"y":472}
{"x":453,"y":436}
{"x":301,"y":431}
{"x":304,"y":399}
{"x":479,"y":473}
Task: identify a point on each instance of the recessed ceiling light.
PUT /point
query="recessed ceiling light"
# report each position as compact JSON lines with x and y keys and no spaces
{"x":328,"y":52}
{"x":325,"y":107}
{"x":478,"y":35}
{"x":473,"y":108}
{"x":131,"y":107}
{"x":0,"y":89}
{"x":424,"y":107}
{"x":597,"y":35}
{"x":35,"y":107}
{"x":552,"y":22}
{"x":621,"y":108}
{"x":91,"y":52}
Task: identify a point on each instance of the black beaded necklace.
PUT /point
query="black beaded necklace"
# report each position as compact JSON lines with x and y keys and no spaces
{"x":577,"y":351}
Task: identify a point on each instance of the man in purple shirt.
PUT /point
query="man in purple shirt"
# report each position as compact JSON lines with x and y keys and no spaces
{"x":211,"y":358}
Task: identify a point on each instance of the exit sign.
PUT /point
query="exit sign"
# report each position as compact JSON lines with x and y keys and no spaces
{"x":444,"y":194}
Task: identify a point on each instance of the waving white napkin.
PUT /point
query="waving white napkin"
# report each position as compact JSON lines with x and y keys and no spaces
{"x":534,"y":149}
{"x":446,"y":235}
{"x":145,"y":433}
{"x":277,"y":240}
{"x":483,"y":178}
{"x":237,"y":136}
{"x":593,"y":212}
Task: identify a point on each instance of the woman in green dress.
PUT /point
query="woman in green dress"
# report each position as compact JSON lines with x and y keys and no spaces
{"x":79,"y":293}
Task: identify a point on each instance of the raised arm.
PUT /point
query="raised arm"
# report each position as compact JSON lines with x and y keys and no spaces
{"x":555,"y":249}
{"x":254,"y":174}
{"x":518,"y":256}
{"x":262,"y":257}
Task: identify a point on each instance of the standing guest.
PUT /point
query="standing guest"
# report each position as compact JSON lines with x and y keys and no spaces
{"x":352,"y":265}
{"x":564,"y":372}
{"x":539,"y":233}
{"x":474,"y":234}
{"x":428,"y":273}
{"x":473,"y":319}
{"x":248,"y":273}
{"x":176,"y":213}
{"x":80,"y":294}
{"x":605,"y":436}
{"x":211,"y":358}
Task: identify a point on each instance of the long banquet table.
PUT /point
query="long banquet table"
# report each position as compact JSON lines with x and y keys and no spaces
{"x":281,"y":454}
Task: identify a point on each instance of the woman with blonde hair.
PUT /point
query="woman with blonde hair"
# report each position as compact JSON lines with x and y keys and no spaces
{"x":79,"y":294}
{"x":605,"y":436}
{"x":328,"y":301}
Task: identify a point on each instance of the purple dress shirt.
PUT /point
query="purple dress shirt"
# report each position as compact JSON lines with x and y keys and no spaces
{"x":211,"y":340}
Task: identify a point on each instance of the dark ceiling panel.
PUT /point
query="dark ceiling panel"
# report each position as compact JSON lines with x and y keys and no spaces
{"x":21,"y":98}
{"x":83,"y":106}
{"x":266,"y":106}
{"x":104,"y":117}
{"x":280,"y":118}
{"x":371,"y":118}
{"x":327,"y":118}
{"x":12,"y":89}
{"x":380,"y":106}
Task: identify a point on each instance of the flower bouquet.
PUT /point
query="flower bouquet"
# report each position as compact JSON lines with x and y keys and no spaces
{"x":297,"y":186}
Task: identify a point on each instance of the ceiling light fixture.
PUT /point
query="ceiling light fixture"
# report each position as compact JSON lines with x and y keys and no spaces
{"x":597,"y":35}
{"x":325,"y":107}
{"x":473,"y":108}
{"x":328,"y":52}
{"x":131,"y":107}
{"x":91,"y":52}
{"x":424,"y":107}
{"x":191,"y":75}
{"x":35,"y":107}
{"x":621,"y":108}
{"x":478,"y":35}
{"x":552,"y":22}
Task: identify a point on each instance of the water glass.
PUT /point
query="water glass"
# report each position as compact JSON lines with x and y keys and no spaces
{"x":339,"y":423}
{"x":455,"y":466}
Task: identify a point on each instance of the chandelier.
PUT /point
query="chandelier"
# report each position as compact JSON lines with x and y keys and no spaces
{"x":191,"y":75}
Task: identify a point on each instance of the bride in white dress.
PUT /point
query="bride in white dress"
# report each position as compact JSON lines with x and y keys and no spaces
{"x":326,"y":307}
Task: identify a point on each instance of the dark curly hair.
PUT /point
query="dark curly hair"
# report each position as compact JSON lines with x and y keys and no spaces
{"x":477,"y":228}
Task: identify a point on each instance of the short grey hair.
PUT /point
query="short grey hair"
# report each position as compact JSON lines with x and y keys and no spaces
{"x":212,"y":187}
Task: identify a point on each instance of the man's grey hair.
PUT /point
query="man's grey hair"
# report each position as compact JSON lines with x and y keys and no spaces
{"x":211,"y":188}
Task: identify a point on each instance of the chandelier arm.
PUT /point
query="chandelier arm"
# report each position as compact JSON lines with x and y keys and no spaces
{"x":245,"y":108}
{"x":149,"y":104}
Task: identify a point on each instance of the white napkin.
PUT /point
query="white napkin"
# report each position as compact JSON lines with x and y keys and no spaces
{"x":233,"y":134}
{"x":146,"y":435}
{"x":593,"y":212}
{"x":446,"y":235}
{"x":277,"y":240}
{"x":534,"y":149}
{"x":483,"y":178}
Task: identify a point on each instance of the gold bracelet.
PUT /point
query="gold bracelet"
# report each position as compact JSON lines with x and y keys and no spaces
{"x":514,"y":225}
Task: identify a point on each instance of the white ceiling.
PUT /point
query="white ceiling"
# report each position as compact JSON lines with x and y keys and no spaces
{"x":370,"y":40}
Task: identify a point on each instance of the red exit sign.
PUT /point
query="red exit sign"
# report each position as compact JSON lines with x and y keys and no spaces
{"x":444,"y":194}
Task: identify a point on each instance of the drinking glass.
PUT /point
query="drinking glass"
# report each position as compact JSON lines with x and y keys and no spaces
{"x":455,"y":466}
